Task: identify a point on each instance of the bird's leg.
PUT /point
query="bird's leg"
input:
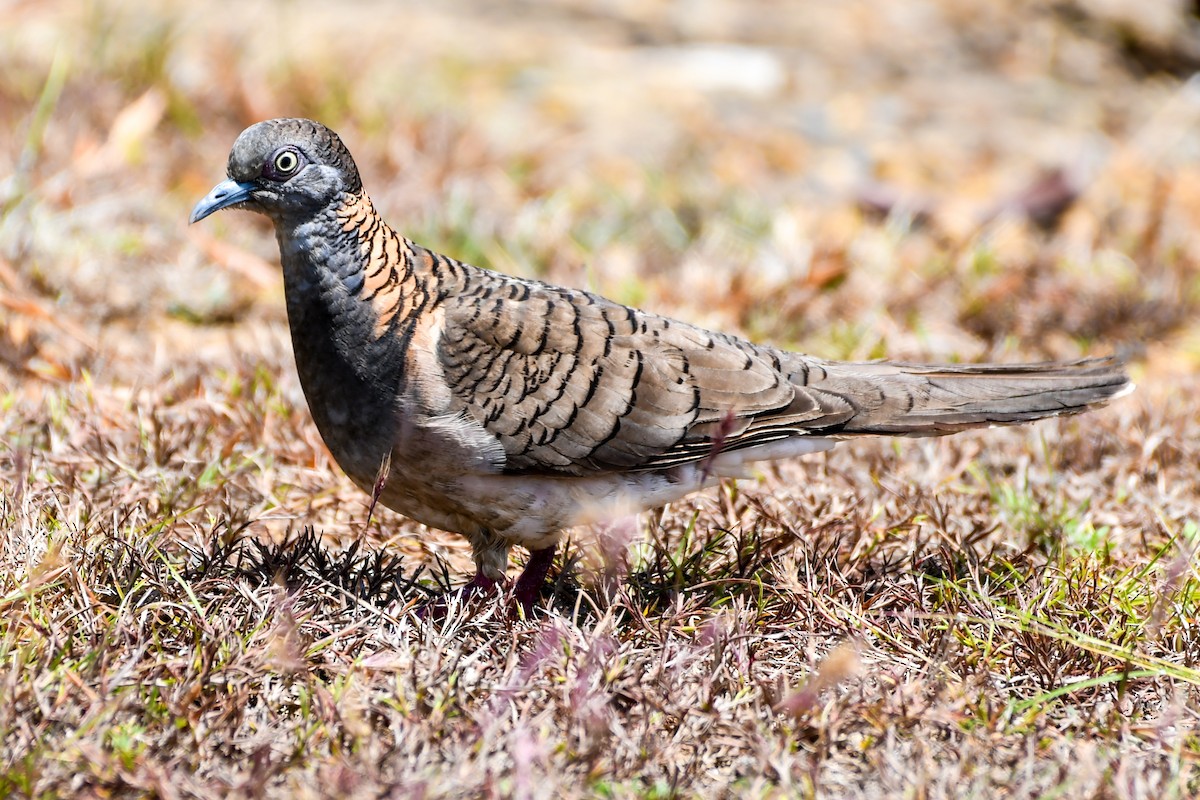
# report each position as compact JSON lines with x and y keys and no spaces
{"x":529,"y":584}
{"x":480,"y":584}
{"x":491,"y":557}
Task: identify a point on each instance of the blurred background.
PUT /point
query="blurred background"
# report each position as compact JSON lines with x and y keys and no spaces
{"x":938,"y":178}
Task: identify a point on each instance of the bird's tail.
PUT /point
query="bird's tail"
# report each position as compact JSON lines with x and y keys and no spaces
{"x":899,"y":399}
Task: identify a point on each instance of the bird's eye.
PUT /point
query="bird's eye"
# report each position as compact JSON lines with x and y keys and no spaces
{"x":286,"y":162}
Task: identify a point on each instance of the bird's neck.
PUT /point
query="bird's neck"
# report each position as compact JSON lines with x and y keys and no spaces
{"x":354,"y":293}
{"x":353,"y":265}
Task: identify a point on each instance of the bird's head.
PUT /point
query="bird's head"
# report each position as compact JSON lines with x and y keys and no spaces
{"x":284,"y":168}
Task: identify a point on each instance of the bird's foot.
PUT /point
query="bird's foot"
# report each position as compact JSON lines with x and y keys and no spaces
{"x":474,"y":589}
{"x":525,"y":592}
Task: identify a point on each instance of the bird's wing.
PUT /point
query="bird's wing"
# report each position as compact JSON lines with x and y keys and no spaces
{"x":572,"y":383}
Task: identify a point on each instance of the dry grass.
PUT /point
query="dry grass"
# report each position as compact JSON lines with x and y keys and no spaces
{"x":193,"y":602}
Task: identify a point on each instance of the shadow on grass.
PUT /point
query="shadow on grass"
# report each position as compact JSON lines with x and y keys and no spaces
{"x":301,"y":561}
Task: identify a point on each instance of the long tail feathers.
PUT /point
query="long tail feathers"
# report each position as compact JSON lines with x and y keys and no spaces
{"x":931,"y":400}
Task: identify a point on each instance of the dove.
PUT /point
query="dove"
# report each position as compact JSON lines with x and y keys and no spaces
{"x":510,"y":410}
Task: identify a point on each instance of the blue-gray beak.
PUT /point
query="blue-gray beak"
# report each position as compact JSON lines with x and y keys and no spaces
{"x":223,"y":195}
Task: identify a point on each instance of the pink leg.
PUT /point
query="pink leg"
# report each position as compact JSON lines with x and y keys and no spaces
{"x":479,"y":585}
{"x":529,"y":585}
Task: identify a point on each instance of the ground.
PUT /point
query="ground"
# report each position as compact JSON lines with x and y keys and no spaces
{"x":194,"y":602}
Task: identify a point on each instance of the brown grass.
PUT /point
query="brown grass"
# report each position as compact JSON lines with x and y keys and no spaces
{"x":193,"y":602}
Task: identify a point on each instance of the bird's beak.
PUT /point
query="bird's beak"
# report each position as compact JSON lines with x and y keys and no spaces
{"x":223,"y":195}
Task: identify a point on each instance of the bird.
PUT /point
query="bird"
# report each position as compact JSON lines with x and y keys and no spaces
{"x":510,"y":410}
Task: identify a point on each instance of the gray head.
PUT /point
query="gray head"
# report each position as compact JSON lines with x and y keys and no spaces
{"x":284,"y":168}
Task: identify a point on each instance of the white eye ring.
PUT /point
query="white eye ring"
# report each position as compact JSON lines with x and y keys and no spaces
{"x":286,"y":162}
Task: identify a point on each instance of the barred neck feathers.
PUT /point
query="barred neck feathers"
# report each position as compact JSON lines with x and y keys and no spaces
{"x":353,"y":263}
{"x":384,"y":277}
